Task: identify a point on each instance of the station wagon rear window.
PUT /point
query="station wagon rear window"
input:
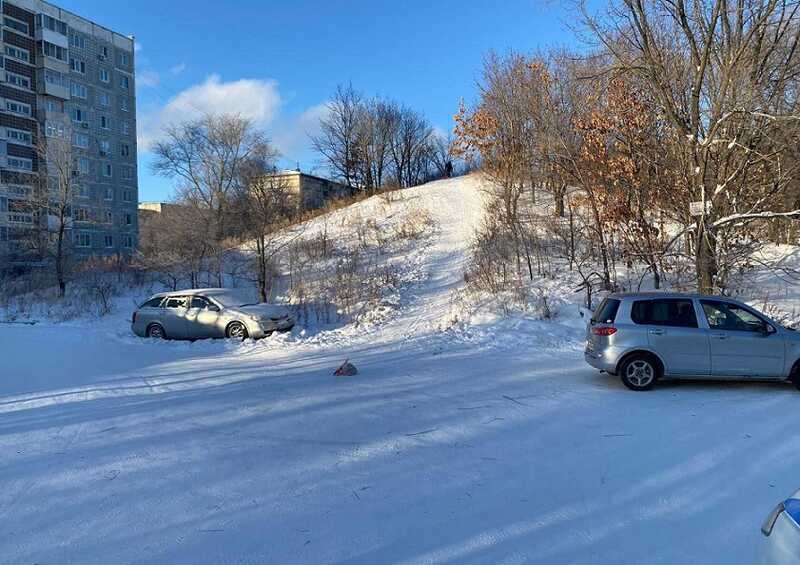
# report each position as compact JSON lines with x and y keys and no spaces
{"x":607,"y":311}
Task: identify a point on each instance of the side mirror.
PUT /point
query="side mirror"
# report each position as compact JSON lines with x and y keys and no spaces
{"x":768,"y":329}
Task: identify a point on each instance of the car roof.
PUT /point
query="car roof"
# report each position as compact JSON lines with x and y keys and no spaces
{"x":656,"y":294}
{"x":196,"y":291}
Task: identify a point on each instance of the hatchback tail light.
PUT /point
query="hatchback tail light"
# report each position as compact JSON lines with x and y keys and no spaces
{"x":604,"y":330}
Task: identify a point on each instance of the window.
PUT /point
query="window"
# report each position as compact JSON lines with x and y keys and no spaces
{"x":83,"y":239}
{"x":198,"y":302}
{"x":16,"y":25}
{"x":104,"y":98}
{"x":104,"y":76}
{"x":78,"y":115}
{"x":108,"y":170}
{"x":54,"y":51}
{"x":127,"y":196}
{"x":3,"y":204}
{"x":109,"y":241}
{"x":127,"y":173}
{"x":19,"y":108}
{"x":104,"y":148}
{"x":123,"y":59}
{"x":607,"y":311}
{"x":128,"y":219}
{"x":79,"y":90}
{"x":82,"y":215}
{"x":109,"y":194}
{"x":18,"y":53}
{"x":83,"y":165}
{"x":19,"y":81}
{"x":77,"y":65}
{"x":49,"y":22}
{"x":20,"y":164}
{"x":55,"y":106}
{"x":676,"y":312}
{"x":128,"y":241}
{"x":19,"y":136}
{"x":731,"y":317}
{"x":153,"y":303}
{"x":83,"y":191}
{"x":124,"y":82}
{"x":80,"y":140}
{"x":123,"y":104}
{"x":54,"y":77}
{"x":125,"y":150}
{"x":175,"y":301}
{"x":78,"y":40}
{"x":103,"y":52}
{"x":126,"y":128}
{"x":105,"y":123}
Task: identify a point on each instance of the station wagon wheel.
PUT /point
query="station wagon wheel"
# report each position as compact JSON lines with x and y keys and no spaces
{"x":794,"y":376}
{"x":639,"y":373}
{"x":156,"y":331}
{"x":236,"y":330}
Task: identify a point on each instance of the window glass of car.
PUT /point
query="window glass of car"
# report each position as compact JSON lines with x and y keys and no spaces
{"x":606,"y":312}
{"x":153,"y":303}
{"x":176,"y":302}
{"x":727,"y":316}
{"x":674,"y":312}
{"x":199,"y":302}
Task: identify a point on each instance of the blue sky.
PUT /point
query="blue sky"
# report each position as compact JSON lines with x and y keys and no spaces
{"x":278,"y":61}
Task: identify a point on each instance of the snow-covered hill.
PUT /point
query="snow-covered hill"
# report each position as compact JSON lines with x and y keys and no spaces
{"x":488,"y":441}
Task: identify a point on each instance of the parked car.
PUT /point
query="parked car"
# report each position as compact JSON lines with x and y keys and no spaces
{"x":208,"y":313}
{"x":643,"y":337}
{"x":782,"y":530}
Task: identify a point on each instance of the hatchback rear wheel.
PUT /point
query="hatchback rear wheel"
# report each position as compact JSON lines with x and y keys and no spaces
{"x":639,"y":372}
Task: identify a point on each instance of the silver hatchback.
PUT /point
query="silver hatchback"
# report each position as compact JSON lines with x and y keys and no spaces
{"x":208,"y":313}
{"x":643,"y":337}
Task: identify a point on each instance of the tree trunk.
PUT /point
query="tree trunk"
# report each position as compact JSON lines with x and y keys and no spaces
{"x":705,"y":259}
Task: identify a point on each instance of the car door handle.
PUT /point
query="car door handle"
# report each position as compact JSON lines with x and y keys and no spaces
{"x":719,"y":336}
{"x":657,"y":332}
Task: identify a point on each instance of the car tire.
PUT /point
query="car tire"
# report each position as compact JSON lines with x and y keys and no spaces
{"x":156,"y":331}
{"x":236,"y":330}
{"x":794,"y":375}
{"x":639,"y":372}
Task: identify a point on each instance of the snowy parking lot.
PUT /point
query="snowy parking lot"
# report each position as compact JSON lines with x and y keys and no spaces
{"x":493,"y":442}
{"x":434,"y":453}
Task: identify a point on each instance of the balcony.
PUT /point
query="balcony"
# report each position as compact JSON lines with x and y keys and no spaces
{"x":53,"y":89}
{"x":44,"y":34}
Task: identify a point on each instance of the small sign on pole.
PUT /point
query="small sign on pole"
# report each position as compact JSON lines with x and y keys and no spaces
{"x":696,"y":208}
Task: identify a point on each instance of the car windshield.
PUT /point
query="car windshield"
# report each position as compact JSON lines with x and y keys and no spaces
{"x":235,"y":298}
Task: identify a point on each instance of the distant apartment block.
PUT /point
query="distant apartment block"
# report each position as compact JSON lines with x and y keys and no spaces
{"x":63,"y":76}
{"x":309,"y":191}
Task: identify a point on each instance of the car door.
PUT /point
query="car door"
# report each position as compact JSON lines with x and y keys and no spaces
{"x":674,"y":335}
{"x":202,"y":318}
{"x":174,"y":316}
{"x":742,"y":343}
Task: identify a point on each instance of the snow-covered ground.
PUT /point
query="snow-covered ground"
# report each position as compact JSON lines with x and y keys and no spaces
{"x":486,"y":442}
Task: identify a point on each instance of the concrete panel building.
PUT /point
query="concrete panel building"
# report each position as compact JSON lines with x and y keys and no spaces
{"x":311,"y":191}
{"x":64,"y":76}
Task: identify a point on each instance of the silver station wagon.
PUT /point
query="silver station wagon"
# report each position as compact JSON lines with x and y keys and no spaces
{"x":208,"y":313}
{"x":643,"y":337}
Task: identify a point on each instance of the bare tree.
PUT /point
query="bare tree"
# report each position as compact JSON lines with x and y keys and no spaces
{"x":205,"y":158}
{"x":724,"y":76}
{"x":340,"y":129}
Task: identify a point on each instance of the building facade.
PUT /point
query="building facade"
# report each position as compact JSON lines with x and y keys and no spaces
{"x":64,"y":77}
{"x":310,"y":191}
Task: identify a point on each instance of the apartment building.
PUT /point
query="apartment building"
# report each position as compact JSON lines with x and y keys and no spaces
{"x":63,"y":76}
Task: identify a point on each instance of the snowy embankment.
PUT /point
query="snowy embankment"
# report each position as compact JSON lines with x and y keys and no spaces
{"x":481,"y":442}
